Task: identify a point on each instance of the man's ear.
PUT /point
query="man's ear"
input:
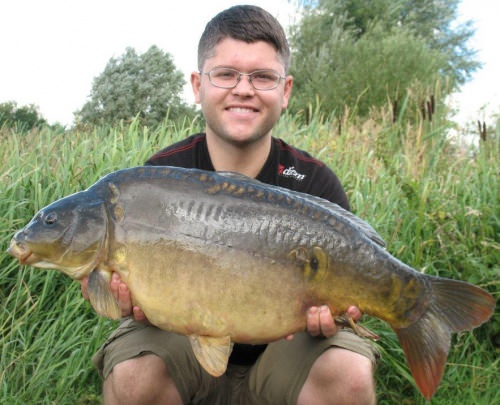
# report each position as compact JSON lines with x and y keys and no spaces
{"x":287,"y":91}
{"x":195,"y":85}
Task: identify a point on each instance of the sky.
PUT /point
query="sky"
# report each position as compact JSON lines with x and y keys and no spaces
{"x":480,"y":98}
{"x":51,"y":50}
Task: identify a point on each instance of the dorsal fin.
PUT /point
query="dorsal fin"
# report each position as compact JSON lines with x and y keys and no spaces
{"x":365,"y":227}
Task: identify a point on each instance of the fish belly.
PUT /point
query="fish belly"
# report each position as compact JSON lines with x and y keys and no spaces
{"x":224,"y":293}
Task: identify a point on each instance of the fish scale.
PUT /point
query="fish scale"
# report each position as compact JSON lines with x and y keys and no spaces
{"x":223,"y":258}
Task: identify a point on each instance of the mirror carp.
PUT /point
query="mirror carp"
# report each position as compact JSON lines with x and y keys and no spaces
{"x":213,"y":256}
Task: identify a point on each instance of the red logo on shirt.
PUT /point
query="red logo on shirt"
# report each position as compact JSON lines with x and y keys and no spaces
{"x":290,"y":172}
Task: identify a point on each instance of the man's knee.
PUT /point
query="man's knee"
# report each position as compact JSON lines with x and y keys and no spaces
{"x":140,"y":380}
{"x":342,"y":375}
{"x":352,"y":371}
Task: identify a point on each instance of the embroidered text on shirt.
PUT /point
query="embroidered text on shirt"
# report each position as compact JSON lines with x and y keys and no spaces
{"x":290,"y":172}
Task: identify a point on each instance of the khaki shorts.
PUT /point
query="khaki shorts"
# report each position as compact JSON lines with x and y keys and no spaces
{"x":276,"y":377}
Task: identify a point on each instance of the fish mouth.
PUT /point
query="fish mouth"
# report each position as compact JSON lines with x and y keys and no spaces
{"x":21,"y":252}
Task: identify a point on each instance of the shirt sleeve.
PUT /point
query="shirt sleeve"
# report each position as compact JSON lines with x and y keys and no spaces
{"x":324,"y":183}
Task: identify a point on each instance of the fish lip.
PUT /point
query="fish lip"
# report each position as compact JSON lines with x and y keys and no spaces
{"x":24,"y":259}
{"x":20,"y":251}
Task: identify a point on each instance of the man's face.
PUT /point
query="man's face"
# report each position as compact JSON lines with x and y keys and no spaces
{"x":241,"y":115}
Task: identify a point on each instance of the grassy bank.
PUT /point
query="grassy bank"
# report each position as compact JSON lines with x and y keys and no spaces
{"x":435,"y":203}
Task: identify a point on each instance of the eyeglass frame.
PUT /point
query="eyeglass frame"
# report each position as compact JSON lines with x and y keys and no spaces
{"x":278,"y":79}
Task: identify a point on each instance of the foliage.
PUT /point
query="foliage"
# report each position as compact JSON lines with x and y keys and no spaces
{"x":436,"y":23}
{"x":359,"y":53}
{"x":434,"y":201}
{"x":22,"y":118}
{"x":146,"y":87}
{"x":365,"y":73}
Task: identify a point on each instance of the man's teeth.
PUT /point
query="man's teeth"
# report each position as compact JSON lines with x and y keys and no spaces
{"x":241,"y":110}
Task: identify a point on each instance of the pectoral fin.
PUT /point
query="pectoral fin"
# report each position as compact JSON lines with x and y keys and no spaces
{"x":212,"y":352}
{"x":100,"y":295}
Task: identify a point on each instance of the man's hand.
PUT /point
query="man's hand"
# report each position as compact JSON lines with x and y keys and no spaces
{"x":320,"y":321}
{"x":122,"y":295}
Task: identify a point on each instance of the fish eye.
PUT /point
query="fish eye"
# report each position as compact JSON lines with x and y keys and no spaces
{"x":50,"y":218}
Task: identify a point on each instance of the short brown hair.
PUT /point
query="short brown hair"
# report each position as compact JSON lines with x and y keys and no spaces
{"x":244,"y":23}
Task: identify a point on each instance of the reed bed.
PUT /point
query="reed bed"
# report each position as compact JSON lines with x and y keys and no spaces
{"x":435,"y":201}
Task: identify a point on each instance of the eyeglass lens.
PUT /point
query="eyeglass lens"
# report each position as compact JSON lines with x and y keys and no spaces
{"x":229,"y":78}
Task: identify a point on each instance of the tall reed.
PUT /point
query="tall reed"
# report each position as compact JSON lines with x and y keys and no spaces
{"x":435,"y":202}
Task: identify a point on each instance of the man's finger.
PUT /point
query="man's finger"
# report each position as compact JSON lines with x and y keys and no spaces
{"x":139,"y":316}
{"x":313,"y":326}
{"x":326,"y":322}
{"x":114,"y":284}
{"x":123,"y":298}
{"x":354,"y":312}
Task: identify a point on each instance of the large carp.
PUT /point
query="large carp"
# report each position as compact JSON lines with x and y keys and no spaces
{"x":223,"y":258}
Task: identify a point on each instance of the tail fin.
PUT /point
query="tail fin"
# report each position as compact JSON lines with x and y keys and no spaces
{"x":455,"y":306}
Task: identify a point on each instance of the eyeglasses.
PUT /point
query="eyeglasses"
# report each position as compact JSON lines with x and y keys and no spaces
{"x":227,"y":78}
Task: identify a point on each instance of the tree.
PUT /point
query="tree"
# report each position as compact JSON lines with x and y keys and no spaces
{"x":360,"y":53}
{"x":23,"y":118}
{"x":146,"y":86}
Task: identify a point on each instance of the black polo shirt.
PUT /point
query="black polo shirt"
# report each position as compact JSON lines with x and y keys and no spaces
{"x":286,"y":166}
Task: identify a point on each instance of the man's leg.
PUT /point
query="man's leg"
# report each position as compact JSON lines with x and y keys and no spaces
{"x":142,"y":380}
{"x":339,"y":376}
{"x":143,"y":364}
{"x":310,"y":369}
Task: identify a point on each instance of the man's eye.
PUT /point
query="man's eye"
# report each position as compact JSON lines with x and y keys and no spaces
{"x":226,"y":75}
{"x":265,"y":77}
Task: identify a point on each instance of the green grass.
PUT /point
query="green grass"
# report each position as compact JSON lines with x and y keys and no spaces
{"x":435,"y":203}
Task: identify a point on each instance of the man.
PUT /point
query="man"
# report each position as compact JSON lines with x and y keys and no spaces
{"x":242,"y":87}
